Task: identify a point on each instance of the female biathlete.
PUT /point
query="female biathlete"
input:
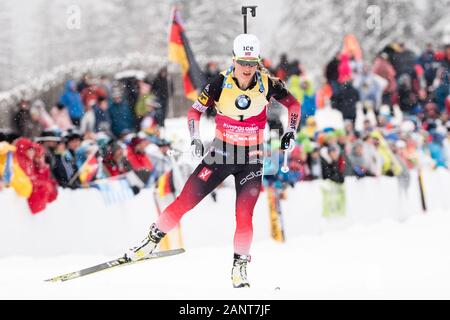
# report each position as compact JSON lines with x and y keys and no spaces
{"x":241,"y":95}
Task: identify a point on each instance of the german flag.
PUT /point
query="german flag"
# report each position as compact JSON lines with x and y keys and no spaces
{"x":165,"y":184}
{"x":89,"y":170}
{"x":181,"y":53}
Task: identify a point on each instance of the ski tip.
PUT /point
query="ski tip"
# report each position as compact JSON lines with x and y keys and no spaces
{"x":56,"y":279}
{"x":64,"y":277}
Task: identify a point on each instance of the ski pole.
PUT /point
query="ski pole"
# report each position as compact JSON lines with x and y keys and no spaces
{"x":285,"y":167}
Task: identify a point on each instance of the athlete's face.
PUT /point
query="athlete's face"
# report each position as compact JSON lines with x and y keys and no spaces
{"x":244,"y":71}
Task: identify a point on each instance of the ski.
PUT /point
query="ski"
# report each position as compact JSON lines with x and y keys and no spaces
{"x":111,"y":264}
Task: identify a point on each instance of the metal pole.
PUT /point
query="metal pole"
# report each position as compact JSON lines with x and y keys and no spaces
{"x":244,"y":13}
{"x":245,"y":23}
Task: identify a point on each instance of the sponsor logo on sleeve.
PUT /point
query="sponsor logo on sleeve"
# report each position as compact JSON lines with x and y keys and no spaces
{"x":203,"y":98}
{"x":199,"y":107}
{"x":293,"y":122}
{"x":205,"y":174}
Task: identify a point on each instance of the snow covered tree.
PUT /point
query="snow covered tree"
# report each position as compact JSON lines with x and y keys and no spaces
{"x":6,"y":44}
{"x":211,"y":26}
{"x":308,"y":32}
{"x":437,"y":22}
{"x":313,"y":31}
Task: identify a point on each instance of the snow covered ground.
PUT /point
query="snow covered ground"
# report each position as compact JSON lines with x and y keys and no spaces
{"x":389,"y":260}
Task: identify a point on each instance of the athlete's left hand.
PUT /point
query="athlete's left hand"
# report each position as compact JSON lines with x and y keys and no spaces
{"x":288,"y":141}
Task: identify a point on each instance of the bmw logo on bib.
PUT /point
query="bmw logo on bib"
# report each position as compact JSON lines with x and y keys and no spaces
{"x":242,"y":102}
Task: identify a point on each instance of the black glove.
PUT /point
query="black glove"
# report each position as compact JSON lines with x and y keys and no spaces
{"x":286,"y":140}
{"x":197,"y":148}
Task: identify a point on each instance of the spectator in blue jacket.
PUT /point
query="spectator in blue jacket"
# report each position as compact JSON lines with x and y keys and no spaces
{"x":72,"y":100}
{"x":436,"y":148}
{"x":121,"y":115}
{"x":102,"y":116}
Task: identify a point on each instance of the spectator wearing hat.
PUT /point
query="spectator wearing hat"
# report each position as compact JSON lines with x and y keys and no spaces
{"x":302,"y":89}
{"x":102,"y":117}
{"x":30,"y":157}
{"x":141,"y":108}
{"x":359,"y":162}
{"x":330,"y":164}
{"x":114,"y":161}
{"x":84,"y":82}
{"x":345,"y":100}
{"x":49,"y":140}
{"x":66,"y":170}
{"x":390,"y":165}
{"x":92,"y":92}
{"x":310,"y":127}
{"x":26,"y":123}
{"x":429,"y":64}
{"x":442,"y":91}
{"x":87,"y":124}
{"x":121,"y":115}
{"x":298,"y":166}
{"x":314,"y":164}
{"x":45,"y":187}
{"x":138,"y":162}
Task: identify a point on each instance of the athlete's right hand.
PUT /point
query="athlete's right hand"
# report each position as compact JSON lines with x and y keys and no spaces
{"x":288,"y":141}
{"x":197,"y":148}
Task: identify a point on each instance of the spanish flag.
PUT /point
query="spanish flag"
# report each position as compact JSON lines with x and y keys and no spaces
{"x":181,"y":53}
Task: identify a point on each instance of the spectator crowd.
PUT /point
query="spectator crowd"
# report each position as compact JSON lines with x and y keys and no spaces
{"x":390,"y":115}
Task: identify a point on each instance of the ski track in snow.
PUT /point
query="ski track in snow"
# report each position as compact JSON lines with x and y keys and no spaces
{"x":386,"y":260}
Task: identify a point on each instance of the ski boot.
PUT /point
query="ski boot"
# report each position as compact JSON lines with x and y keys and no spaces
{"x":239,"y":271}
{"x":147,"y":246}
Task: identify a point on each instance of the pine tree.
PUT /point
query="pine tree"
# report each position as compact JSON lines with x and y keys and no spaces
{"x":308,"y":32}
{"x":313,"y":31}
{"x":211,"y":26}
{"x":437,"y":22}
